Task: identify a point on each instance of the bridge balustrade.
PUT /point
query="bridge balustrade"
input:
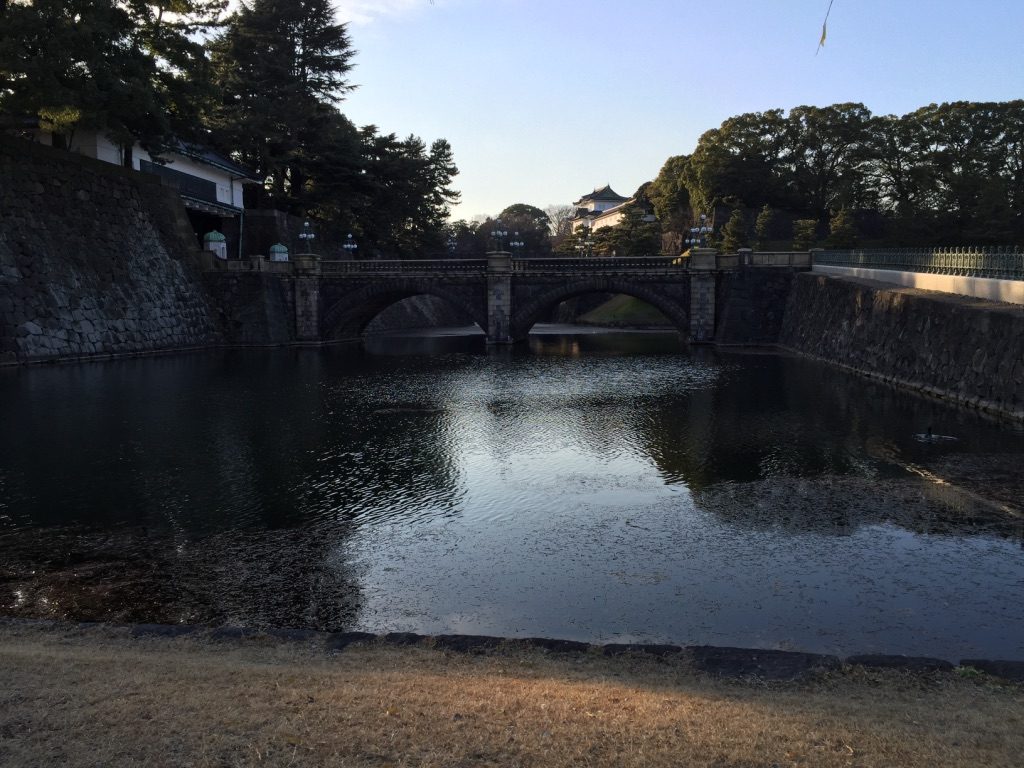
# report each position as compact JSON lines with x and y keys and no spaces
{"x":595,"y":264}
{"x":780,"y":259}
{"x":405,"y":267}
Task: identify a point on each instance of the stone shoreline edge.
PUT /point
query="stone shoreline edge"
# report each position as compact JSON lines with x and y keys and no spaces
{"x":720,"y":661}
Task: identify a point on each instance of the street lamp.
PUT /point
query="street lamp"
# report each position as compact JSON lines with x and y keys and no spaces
{"x":498,"y":234}
{"x":307,"y":237}
{"x":584,"y":245}
{"x":350,"y":246}
{"x":699,"y":235}
{"x":516,"y":245}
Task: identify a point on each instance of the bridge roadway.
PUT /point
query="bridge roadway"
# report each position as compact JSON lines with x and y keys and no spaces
{"x":507,"y":296}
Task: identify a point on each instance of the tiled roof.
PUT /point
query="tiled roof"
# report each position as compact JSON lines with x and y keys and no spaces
{"x":204,"y":155}
{"x":604,"y":194}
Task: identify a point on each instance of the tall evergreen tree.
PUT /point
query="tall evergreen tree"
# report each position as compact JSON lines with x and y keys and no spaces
{"x":764,"y":226}
{"x":734,"y":233}
{"x":278,"y":66}
{"x":805,"y":234}
{"x":130,"y":70}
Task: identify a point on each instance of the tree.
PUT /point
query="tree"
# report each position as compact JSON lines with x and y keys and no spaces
{"x":635,"y":235}
{"x":764,"y":226}
{"x":805,"y":234}
{"x":279,"y":66}
{"x":75,"y":63}
{"x":405,"y":191}
{"x":734,"y":233}
{"x":535,"y":218}
{"x":560,"y":217}
{"x":669,"y":194}
{"x":825,"y":155}
{"x":842,"y":232}
{"x":738,"y":162}
{"x":134,"y":71}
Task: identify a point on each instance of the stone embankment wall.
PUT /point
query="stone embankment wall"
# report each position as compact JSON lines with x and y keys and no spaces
{"x":956,"y":348}
{"x":750,"y":305}
{"x":253,"y":308}
{"x":94,"y":260}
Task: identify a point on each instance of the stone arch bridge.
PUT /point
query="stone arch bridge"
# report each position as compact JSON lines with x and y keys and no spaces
{"x":708,"y":296}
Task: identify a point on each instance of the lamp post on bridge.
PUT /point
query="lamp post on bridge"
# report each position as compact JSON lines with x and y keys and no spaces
{"x":698,"y":237}
{"x":498,"y":235}
{"x":350,"y":246}
{"x":516,"y":245}
{"x":307,"y":236}
{"x":585,"y":245}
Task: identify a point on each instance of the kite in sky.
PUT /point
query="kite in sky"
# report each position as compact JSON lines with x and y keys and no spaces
{"x":824,"y":28}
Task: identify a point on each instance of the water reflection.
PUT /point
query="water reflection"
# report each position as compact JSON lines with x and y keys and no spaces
{"x":596,"y":486}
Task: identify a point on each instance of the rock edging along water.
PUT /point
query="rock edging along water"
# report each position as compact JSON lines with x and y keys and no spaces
{"x":964,"y":350}
{"x":94,"y":260}
{"x":720,"y":661}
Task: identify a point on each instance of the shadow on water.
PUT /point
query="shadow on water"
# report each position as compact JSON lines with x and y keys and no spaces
{"x":590,"y":485}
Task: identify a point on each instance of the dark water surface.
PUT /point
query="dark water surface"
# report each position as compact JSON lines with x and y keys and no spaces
{"x":596,"y":486}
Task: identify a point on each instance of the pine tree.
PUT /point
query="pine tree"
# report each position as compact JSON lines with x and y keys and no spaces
{"x":131,"y":70}
{"x":280,"y":67}
{"x":842,"y":232}
{"x":764,"y":226}
{"x":805,"y":234}
{"x":734,"y":233}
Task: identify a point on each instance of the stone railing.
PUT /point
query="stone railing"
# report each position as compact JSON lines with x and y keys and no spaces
{"x":251,"y":264}
{"x":407,"y":267}
{"x":307,"y":264}
{"x":594,"y":264}
{"x":749,"y":258}
{"x":1006,"y":263}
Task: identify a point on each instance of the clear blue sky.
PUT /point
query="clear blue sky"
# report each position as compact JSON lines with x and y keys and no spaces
{"x":543,"y":100}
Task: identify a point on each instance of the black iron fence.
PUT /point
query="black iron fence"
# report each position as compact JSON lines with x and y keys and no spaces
{"x":999,"y":262}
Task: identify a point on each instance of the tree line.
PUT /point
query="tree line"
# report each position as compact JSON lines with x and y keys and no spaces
{"x":262,"y":85}
{"x":836,"y":176}
{"x":945,"y":174}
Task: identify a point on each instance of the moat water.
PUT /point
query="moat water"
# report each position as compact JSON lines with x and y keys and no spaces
{"x":609,"y":487}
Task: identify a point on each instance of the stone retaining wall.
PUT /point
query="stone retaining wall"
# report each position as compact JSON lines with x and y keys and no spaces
{"x":94,"y":260}
{"x":253,"y":308}
{"x":961,"y":349}
{"x":750,"y":305}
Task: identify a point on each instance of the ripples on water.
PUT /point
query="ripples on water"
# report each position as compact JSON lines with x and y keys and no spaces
{"x":596,"y":486}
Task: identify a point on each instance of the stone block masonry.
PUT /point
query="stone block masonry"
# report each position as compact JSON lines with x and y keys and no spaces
{"x":957,"y":348}
{"x":94,"y":260}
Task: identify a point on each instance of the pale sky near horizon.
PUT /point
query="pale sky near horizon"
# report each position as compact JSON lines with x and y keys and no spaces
{"x":544,"y":101}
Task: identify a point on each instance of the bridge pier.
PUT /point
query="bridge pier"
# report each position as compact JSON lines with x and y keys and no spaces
{"x":499,"y":298}
{"x":307,"y":298}
{"x":703,"y":264}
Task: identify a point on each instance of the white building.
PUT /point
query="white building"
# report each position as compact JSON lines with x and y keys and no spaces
{"x":210,"y":185}
{"x":601,"y":208}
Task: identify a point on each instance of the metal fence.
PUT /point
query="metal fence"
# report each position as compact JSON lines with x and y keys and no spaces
{"x":1000,"y":262}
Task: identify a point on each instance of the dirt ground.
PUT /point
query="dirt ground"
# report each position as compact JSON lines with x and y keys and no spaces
{"x":95,"y":700}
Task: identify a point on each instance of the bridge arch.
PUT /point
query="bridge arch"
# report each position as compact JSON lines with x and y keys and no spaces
{"x":347,"y":315}
{"x":531,"y":311}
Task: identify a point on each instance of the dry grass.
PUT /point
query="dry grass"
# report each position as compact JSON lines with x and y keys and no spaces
{"x":113,"y":702}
